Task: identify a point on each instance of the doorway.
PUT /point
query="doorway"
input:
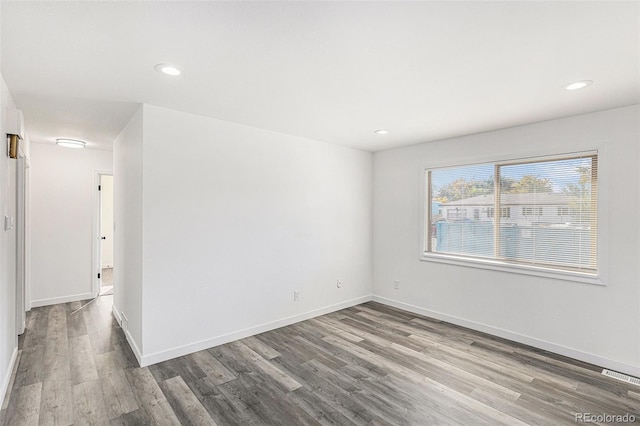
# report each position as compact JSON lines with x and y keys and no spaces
{"x":105,"y":235}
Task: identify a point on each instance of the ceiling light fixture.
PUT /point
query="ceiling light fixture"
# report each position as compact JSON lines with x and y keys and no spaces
{"x":577,"y":85}
{"x":381,"y":132}
{"x":71,"y":143}
{"x":168,"y":70}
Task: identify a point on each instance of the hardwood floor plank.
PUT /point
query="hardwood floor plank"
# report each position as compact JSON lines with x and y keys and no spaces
{"x":482,"y":410}
{"x":121,"y":347}
{"x":184,"y":367}
{"x":33,"y":349}
{"x":187,"y":407}
{"x":230,"y":360}
{"x":211,"y":367}
{"x":316,"y":407}
{"x":83,"y":365}
{"x":99,"y":327}
{"x":330,"y":329}
{"x":267,"y":407}
{"x":264,"y":366}
{"x":221,"y":404}
{"x":118,"y":394}
{"x":480,"y":382}
{"x":75,"y":321}
{"x":57,"y":403}
{"x":134,"y":418}
{"x":366,"y":365}
{"x":305,"y":347}
{"x":150,"y":397}
{"x":24,"y":408}
{"x":88,"y":403}
{"x":265,"y":351}
{"x":470,"y":361}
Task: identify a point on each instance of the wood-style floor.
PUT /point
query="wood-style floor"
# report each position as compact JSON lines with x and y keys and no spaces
{"x":369,"y":364}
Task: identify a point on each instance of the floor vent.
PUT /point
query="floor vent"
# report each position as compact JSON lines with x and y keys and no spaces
{"x":622,"y":377}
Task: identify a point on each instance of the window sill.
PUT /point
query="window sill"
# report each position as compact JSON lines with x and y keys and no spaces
{"x":497,"y":265}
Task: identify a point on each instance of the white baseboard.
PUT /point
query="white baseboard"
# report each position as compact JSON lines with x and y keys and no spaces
{"x":63,"y":299}
{"x":634,"y":370}
{"x":241,"y":334}
{"x":7,"y":377}
{"x":132,"y":343}
{"x":116,"y":315}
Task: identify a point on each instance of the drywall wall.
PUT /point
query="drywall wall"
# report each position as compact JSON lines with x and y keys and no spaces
{"x":8,"y":335}
{"x":106,"y":220}
{"x":590,"y":322}
{"x":8,"y":247}
{"x":63,"y":214}
{"x":127,"y":203}
{"x":235,"y":219}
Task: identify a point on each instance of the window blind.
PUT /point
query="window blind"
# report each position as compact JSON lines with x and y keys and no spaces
{"x":540,"y":212}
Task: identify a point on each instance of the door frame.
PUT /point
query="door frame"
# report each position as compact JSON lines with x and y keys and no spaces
{"x":97,"y":232}
{"x":23,"y":301}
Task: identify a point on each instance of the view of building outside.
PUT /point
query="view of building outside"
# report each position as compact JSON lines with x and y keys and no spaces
{"x":541,"y":212}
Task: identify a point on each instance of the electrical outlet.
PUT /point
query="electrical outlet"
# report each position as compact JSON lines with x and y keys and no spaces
{"x":396,"y":284}
{"x":296,"y":295}
{"x":339,"y":283}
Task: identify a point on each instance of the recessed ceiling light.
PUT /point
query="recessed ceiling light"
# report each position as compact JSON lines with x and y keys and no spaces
{"x":168,"y":69}
{"x":71,"y":143}
{"x":577,"y":85}
{"x":381,"y":132}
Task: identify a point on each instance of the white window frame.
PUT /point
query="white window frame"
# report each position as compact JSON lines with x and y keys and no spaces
{"x":599,"y":278}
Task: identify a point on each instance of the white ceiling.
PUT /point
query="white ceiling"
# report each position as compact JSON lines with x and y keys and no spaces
{"x":330,"y":71}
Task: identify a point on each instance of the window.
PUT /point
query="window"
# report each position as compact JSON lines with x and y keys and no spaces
{"x":532,"y":211}
{"x":566,"y":185}
{"x":504,"y":212}
{"x":456,"y":214}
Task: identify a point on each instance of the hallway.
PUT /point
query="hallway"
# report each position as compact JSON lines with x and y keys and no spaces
{"x":65,"y":358}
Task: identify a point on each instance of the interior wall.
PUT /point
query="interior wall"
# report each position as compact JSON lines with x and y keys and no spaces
{"x":590,"y":322}
{"x":63,"y":197}
{"x":235,"y":220}
{"x":127,"y":203}
{"x":8,"y":335}
{"x":106,"y":220}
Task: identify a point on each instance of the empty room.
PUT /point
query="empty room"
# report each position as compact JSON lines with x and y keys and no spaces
{"x":320,"y":212}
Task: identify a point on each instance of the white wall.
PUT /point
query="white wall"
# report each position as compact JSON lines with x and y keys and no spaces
{"x":234,"y":220}
{"x":63,"y":212}
{"x":8,"y":335}
{"x":106,"y":220}
{"x":594,"y":323}
{"x":127,"y":203}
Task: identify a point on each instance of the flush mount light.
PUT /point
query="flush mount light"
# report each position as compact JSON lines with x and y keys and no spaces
{"x":577,"y":85}
{"x":168,"y":70}
{"x":381,"y":132}
{"x":71,"y":143}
